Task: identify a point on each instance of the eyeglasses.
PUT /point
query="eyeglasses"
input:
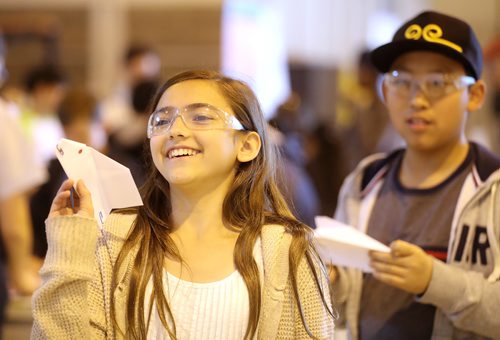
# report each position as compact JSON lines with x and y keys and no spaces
{"x":198,"y":116}
{"x":433,"y":85}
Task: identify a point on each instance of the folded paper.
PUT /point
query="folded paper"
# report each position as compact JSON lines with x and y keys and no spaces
{"x":343,"y":245}
{"x":109,"y":182}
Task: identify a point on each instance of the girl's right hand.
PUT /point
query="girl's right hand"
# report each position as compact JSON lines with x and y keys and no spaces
{"x":61,"y":205}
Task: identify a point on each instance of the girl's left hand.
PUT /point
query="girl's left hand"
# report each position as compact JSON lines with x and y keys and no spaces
{"x":406,"y":267}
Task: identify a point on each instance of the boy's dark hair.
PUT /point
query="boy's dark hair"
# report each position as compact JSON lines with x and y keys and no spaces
{"x":435,"y":32}
{"x":43,"y":74}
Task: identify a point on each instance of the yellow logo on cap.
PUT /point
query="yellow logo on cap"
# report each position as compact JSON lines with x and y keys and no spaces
{"x":431,"y":33}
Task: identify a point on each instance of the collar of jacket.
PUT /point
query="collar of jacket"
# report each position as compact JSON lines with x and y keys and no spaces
{"x":376,"y":166}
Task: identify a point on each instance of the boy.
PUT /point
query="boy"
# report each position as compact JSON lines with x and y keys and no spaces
{"x":436,"y":202}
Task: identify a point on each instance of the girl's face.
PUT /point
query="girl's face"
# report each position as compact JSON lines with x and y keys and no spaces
{"x":192,"y":157}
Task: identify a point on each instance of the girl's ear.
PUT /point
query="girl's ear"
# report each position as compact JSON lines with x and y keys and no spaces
{"x":476,"y":96}
{"x":249,"y":146}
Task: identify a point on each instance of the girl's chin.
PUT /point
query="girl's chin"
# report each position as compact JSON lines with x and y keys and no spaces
{"x":179,"y":180}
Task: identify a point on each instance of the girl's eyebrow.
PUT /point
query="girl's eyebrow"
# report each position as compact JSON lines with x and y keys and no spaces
{"x":189,"y":105}
{"x":200,"y":104}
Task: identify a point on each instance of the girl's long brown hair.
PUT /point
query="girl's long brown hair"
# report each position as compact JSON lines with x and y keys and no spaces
{"x":252,"y":201}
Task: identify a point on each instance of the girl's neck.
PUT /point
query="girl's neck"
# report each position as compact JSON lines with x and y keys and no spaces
{"x":426,"y":169}
{"x":205,"y":244}
{"x":198,"y":211}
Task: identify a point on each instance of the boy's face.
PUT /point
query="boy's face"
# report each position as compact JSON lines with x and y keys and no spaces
{"x":427,"y":99}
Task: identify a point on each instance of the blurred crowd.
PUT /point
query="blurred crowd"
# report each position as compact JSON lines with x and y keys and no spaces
{"x":33,"y":118}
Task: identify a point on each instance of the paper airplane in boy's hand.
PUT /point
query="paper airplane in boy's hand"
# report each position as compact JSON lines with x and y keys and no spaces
{"x":110,"y":183}
{"x":343,"y":245}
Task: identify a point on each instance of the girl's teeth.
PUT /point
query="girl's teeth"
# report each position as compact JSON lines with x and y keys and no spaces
{"x":182,"y":152}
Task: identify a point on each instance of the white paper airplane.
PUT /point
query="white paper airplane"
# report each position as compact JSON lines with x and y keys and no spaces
{"x":110,"y":183}
{"x":343,"y":245}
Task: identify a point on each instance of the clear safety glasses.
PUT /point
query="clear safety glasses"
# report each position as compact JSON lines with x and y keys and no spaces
{"x":198,"y":116}
{"x":434,"y":86}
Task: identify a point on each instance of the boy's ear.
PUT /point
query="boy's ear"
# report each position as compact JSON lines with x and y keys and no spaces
{"x":382,"y":93}
{"x":249,"y":147}
{"x":381,"y":88}
{"x":477,"y":93}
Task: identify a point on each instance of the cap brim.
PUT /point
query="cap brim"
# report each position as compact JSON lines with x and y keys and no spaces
{"x":384,"y":56}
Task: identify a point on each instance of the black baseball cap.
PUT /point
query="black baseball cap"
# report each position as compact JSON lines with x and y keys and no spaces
{"x":435,"y":32}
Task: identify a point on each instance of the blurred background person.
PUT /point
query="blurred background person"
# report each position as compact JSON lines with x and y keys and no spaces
{"x":126,"y":144}
{"x":293,"y":179}
{"x":362,"y":120}
{"x":326,"y":166}
{"x":140,"y":63}
{"x":492,"y":59}
{"x":76,"y":114}
{"x":45,"y":86}
{"x":19,"y":175}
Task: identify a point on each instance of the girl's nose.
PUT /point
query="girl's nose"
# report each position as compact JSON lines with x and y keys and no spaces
{"x":178,"y":127}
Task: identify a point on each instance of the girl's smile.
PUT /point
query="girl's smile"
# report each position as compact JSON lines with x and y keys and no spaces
{"x":181,"y":152}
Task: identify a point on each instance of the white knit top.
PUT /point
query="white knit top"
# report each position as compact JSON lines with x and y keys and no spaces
{"x":215,"y":310}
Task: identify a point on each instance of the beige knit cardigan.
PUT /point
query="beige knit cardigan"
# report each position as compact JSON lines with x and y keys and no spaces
{"x":74,"y":300}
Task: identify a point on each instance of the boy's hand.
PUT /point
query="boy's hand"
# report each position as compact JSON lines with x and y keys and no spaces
{"x":406,"y":267}
{"x":82,"y":201}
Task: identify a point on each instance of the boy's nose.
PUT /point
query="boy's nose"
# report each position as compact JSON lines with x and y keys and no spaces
{"x":418,"y":99}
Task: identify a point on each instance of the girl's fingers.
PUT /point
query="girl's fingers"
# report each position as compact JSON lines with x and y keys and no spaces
{"x":66,"y":185}
{"x":85,"y":206}
{"x":76,"y":201}
{"x":60,"y":203}
{"x":82,"y":200}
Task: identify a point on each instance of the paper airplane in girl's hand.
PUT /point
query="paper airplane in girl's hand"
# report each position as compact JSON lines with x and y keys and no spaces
{"x":343,"y":245}
{"x":110,"y":183}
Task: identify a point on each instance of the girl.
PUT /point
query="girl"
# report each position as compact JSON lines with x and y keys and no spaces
{"x":214,"y":253}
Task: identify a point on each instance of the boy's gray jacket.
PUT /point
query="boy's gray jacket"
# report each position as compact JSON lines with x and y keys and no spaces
{"x":465,"y":289}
